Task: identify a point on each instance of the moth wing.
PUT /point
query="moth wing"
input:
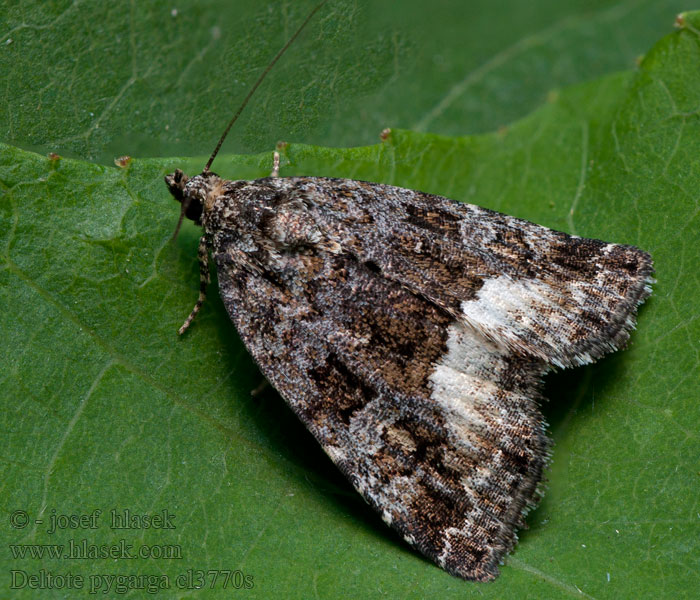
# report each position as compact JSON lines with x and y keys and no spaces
{"x":434,"y":425}
{"x":537,"y":292}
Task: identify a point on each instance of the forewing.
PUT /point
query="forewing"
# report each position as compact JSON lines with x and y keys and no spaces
{"x":564,"y":299}
{"x":409,"y":334}
{"x":434,"y":425}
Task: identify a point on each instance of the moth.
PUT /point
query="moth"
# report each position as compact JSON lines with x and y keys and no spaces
{"x":410,"y":334}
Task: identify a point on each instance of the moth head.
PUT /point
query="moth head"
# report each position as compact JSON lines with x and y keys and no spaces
{"x":190,"y":192}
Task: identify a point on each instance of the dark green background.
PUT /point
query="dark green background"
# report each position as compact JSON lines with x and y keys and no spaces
{"x":103,"y":79}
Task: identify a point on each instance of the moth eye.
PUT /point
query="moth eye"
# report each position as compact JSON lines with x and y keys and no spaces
{"x":194,"y":209}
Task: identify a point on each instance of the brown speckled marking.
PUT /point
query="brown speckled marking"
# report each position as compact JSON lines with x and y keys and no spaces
{"x":410,"y":333}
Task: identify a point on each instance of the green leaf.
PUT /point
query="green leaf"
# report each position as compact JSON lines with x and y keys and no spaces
{"x":105,"y":408}
{"x":103,"y":79}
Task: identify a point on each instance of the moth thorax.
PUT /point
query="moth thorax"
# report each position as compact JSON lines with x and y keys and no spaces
{"x":292,"y":226}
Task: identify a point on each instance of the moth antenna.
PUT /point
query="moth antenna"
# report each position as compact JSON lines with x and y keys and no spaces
{"x":257,"y":83}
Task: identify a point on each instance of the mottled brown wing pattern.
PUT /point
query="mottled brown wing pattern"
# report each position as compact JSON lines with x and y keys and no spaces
{"x":410,"y":333}
{"x":432,"y":424}
{"x":564,"y":299}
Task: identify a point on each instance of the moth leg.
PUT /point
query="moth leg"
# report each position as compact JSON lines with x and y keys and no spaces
{"x":203,"y":257}
{"x":275,"y":164}
{"x":260,"y":388}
